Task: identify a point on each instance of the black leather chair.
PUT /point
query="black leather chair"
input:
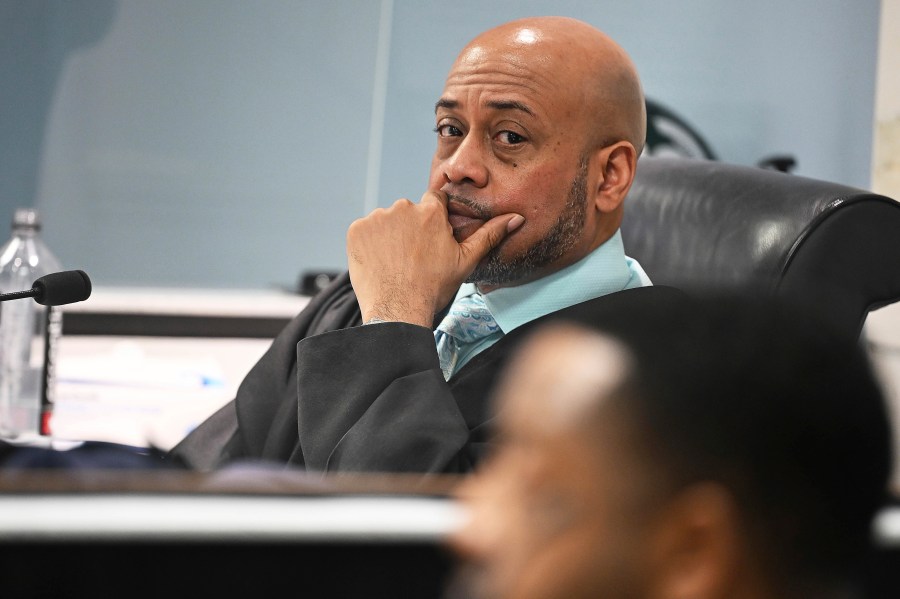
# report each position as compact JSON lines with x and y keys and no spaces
{"x":706,"y":225}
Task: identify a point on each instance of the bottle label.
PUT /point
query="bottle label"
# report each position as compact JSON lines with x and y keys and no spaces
{"x":52,"y":332}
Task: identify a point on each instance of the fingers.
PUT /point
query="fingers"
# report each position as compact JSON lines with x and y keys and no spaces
{"x":435,"y":195}
{"x":427,"y":221}
{"x":488,"y":237}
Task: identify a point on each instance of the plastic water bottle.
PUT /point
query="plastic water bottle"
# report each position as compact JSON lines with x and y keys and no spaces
{"x":28,"y":333}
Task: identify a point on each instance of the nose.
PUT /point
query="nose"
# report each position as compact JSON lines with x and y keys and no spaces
{"x":467,"y":164}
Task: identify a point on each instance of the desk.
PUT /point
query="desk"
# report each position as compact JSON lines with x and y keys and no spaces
{"x":247,"y":532}
{"x":252,"y":533}
{"x":240,"y":504}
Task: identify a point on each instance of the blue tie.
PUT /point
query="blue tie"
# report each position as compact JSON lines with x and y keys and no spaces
{"x":467,"y":321}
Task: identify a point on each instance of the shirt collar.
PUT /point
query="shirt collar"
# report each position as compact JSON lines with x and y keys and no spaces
{"x":605,"y":270}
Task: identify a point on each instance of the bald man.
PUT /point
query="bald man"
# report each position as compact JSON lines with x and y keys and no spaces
{"x":539,"y":128}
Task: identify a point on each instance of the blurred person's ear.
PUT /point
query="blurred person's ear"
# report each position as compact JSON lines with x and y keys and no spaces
{"x":696,"y":549}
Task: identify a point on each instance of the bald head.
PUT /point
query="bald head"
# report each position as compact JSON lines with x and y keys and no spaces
{"x":582,"y":62}
{"x":560,"y":380}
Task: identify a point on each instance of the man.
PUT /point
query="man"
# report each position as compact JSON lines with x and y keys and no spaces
{"x":710,"y":449}
{"x":539,"y":128}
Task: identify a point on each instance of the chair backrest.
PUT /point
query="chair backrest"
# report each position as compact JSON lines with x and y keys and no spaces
{"x":703,"y":224}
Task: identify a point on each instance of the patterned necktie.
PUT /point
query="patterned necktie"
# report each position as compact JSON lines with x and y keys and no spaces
{"x":467,"y":321}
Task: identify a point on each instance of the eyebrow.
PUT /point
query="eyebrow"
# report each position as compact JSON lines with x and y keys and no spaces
{"x":444,"y":103}
{"x":510,"y":105}
{"x":495,"y":104}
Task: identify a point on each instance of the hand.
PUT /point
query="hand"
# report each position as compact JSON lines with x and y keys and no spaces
{"x":404,"y":262}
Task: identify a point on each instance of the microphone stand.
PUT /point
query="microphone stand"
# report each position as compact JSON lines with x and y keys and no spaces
{"x":18,"y":294}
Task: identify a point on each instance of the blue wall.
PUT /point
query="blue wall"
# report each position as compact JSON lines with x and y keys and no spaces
{"x":223,"y":143}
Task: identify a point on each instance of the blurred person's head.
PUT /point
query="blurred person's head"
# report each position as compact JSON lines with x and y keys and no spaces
{"x":712,"y":449}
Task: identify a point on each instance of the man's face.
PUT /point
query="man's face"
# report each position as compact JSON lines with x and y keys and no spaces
{"x":558,"y":510}
{"x":511,"y":138}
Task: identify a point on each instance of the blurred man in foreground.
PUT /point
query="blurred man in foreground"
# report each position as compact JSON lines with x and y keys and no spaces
{"x":715,"y":449}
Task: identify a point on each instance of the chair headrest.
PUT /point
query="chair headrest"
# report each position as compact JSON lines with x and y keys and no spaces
{"x":698,"y":224}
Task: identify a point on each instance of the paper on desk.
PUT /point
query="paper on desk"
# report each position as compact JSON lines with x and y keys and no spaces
{"x":127,"y":366}
{"x":123,"y":395}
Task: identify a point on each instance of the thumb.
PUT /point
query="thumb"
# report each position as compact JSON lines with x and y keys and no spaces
{"x":487,"y":237}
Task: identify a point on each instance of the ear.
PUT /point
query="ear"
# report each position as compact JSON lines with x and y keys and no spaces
{"x":616,"y":166}
{"x":696,"y":548}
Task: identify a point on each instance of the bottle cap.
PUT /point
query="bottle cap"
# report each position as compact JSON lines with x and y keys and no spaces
{"x":27,"y":217}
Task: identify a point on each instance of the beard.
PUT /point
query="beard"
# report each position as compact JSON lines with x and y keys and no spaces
{"x":496,"y":270}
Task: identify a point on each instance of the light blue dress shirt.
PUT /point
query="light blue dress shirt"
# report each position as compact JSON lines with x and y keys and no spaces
{"x":605,"y":270}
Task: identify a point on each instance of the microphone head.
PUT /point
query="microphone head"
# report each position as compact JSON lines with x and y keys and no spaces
{"x":66,"y":287}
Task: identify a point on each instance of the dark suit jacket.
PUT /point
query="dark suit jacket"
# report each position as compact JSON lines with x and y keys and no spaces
{"x":331,"y":395}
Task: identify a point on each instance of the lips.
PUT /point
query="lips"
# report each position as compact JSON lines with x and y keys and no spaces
{"x":455,"y":208}
{"x":458,"y":221}
{"x":462,"y":216}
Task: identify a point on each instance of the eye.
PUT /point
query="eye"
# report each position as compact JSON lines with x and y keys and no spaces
{"x":447,"y":131}
{"x":511,"y":138}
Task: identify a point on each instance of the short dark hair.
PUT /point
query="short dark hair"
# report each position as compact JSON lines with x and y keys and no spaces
{"x":777,"y":405}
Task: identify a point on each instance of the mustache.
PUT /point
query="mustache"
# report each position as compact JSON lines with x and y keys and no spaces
{"x":480,"y":210}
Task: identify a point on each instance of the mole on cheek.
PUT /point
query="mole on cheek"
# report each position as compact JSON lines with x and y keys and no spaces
{"x":515,"y":165}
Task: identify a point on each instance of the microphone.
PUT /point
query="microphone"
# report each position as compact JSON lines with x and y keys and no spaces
{"x":56,"y":289}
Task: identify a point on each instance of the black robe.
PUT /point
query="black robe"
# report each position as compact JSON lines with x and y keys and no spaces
{"x":331,"y":395}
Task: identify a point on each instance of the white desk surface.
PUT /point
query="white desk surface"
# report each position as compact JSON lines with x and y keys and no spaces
{"x":185,"y":301}
{"x":158,"y":516}
{"x":81,"y":517}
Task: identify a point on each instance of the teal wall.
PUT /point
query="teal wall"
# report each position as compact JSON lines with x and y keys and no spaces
{"x":225,"y":143}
